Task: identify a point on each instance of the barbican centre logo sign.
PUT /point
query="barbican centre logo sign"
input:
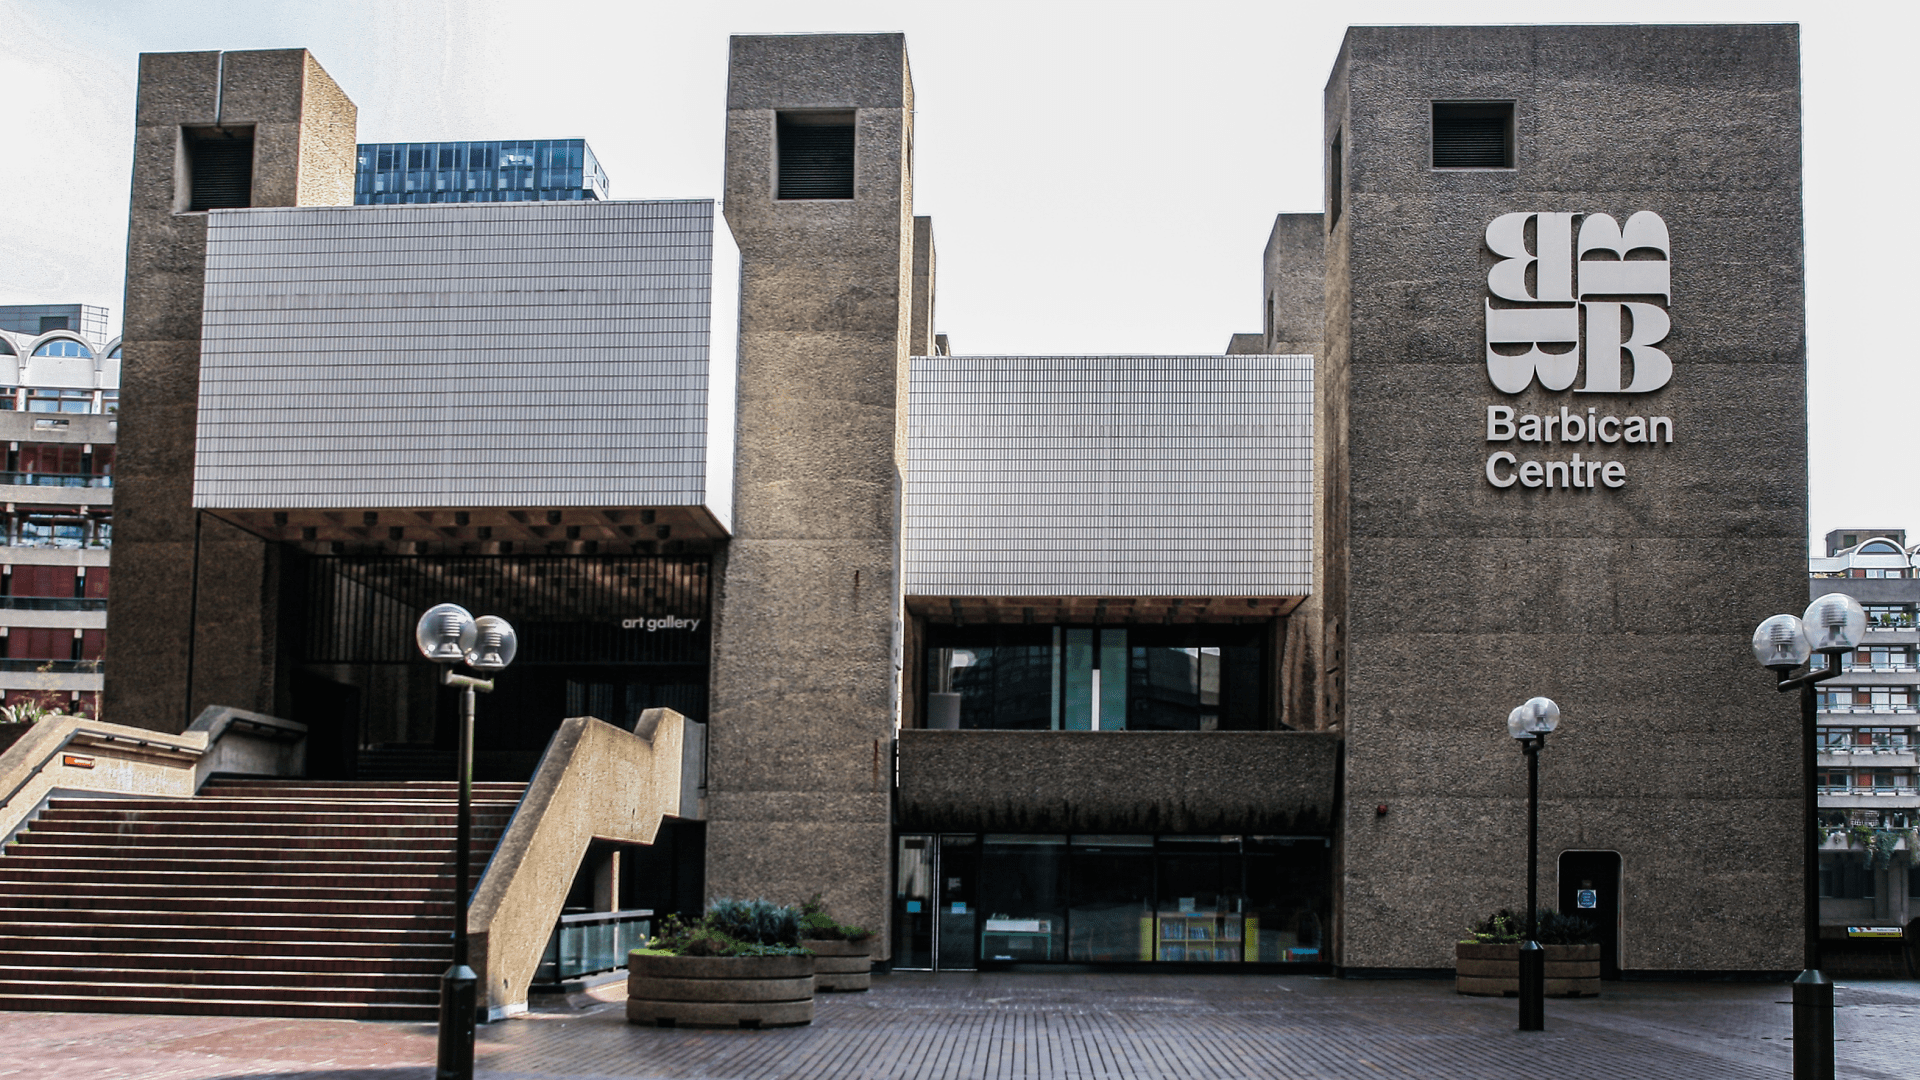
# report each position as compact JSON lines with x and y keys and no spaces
{"x":1588,"y":297}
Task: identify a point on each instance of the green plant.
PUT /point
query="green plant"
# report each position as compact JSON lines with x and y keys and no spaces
{"x":1860,"y":834}
{"x":731,"y":928}
{"x":816,"y":923}
{"x":28,"y":711}
{"x":1503,"y":927}
{"x":1561,"y":929}
{"x":1506,"y":927}
{"x":1880,"y":850}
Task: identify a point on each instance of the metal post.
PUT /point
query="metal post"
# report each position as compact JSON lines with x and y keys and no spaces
{"x":459,"y":986}
{"x":1533,"y":959}
{"x":1812,"y":993}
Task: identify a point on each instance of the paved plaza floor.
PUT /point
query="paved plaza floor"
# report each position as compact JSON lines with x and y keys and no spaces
{"x":1077,"y":1026}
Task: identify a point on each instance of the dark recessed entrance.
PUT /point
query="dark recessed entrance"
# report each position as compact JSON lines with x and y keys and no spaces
{"x":1590,"y":888}
{"x":604,"y":636}
{"x":964,"y":901}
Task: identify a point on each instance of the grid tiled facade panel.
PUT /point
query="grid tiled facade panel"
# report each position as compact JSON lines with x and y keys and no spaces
{"x":1110,"y":476}
{"x":459,"y":355}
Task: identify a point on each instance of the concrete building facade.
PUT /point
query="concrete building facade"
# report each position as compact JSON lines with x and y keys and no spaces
{"x":1144,"y":659}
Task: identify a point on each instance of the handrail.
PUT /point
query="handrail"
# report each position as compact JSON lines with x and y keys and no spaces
{"x":628,"y":915}
{"x":198,"y":752}
{"x":595,"y":781}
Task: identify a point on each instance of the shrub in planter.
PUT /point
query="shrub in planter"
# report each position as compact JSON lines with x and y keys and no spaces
{"x":739,"y":965}
{"x":843,"y":955}
{"x":1487,"y":961}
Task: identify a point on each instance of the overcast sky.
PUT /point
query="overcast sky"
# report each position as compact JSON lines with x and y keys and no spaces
{"x":1102,"y":176}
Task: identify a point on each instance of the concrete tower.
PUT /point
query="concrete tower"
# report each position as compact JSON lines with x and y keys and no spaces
{"x":819,"y":195}
{"x":193,"y":618}
{"x":1564,"y":434}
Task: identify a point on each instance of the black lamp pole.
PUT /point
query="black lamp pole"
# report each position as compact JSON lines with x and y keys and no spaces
{"x":459,"y":987}
{"x":1812,"y":993}
{"x":1533,"y":958}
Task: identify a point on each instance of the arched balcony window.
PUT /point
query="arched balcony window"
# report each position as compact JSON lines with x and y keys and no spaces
{"x":64,"y":347}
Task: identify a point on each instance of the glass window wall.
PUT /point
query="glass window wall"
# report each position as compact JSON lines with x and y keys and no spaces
{"x":540,"y":170}
{"x":966,"y":899}
{"x":1162,"y":678}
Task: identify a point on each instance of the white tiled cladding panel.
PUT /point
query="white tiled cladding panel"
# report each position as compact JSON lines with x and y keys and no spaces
{"x":518,"y":354}
{"x":1110,"y":476}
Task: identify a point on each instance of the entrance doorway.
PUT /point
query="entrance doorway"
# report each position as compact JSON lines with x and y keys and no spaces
{"x":965,"y":901}
{"x":1590,"y":888}
{"x":605,"y":636}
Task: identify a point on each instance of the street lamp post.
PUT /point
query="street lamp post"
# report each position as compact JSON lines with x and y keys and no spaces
{"x":448,"y":634}
{"x":1832,"y":625}
{"x":1531,"y":723}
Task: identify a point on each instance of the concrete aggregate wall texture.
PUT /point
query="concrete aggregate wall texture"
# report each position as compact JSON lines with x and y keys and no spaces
{"x":805,"y":681}
{"x":1454,"y":591}
{"x":182,"y":639}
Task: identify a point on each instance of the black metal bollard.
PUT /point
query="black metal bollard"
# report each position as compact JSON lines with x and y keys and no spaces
{"x":1812,"y":1027}
{"x":1533,"y":986}
{"x":459,"y":991}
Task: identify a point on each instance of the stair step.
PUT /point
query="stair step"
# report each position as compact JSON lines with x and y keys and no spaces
{"x":47,"y":858}
{"x":291,"y":989}
{"x":317,"y":1009}
{"x":319,"y":943}
{"x":264,"y":898}
{"x":215,"y":881}
{"x":286,"y":976}
{"x":93,"y":841}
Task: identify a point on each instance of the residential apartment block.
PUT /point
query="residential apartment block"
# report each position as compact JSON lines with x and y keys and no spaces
{"x":1870,"y":734}
{"x":58,"y":415}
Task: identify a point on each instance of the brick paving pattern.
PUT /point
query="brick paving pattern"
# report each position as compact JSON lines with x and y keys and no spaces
{"x":1059,"y":1027}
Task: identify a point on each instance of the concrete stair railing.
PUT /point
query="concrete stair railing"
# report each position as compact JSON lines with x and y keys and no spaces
{"x":596,"y":781}
{"x":72,"y":754}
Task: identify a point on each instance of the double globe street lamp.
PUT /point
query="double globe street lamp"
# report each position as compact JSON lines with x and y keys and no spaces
{"x":448,"y":634}
{"x":1831,"y":625}
{"x":1531,"y":723}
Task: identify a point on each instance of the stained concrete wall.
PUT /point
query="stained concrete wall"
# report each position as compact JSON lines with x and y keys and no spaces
{"x":1294,"y":276}
{"x":804,"y":672}
{"x":1631,"y":607}
{"x":920,"y":340}
{"x":1118,"y":781}
{"x":193,"y":621}
{"x":1293,"y":298}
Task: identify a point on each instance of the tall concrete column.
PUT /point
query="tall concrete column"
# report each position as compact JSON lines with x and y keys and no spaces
{"x":191,"y":609}
{"x":805,"y":677}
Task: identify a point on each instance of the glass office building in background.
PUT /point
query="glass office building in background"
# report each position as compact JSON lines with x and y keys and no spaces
{"x":533,"y":170}
{"x":33,"y":319}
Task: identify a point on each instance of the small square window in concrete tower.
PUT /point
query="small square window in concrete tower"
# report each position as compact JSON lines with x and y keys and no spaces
{"x":219,"y":167}
{"x":814,"y":155}
{"x":1473,"y":134}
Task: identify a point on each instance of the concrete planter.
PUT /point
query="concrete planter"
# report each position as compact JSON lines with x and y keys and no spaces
{"x":841,"y":965}
{"x":720,"y":991}
{"x":1494,"y":970}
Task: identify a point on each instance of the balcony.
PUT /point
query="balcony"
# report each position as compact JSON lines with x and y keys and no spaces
{"x":51,"y":667}
{"x":52,"y":603}
{"x":1869,"y":710}
{"x":79,"y":480}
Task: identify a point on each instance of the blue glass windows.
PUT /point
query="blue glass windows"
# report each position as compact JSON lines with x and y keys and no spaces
{"x":64,"y":347}
{"x":535,"y":170}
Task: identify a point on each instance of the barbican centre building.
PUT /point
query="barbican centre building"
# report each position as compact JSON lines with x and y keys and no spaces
{"x":1194,"y":661}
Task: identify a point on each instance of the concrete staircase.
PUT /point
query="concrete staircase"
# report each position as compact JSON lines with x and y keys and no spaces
{"x":255,"y":898}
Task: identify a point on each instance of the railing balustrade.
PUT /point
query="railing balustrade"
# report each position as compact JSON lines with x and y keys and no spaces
{"x":593,"y":942}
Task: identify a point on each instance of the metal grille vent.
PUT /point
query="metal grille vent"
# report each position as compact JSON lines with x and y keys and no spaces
{"x":1472,"y":136}
{"x":816,"y":160}
{"x":222,"y":173}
